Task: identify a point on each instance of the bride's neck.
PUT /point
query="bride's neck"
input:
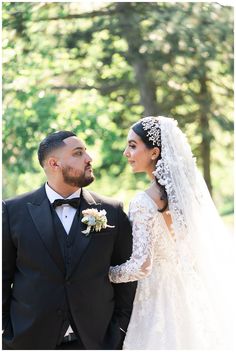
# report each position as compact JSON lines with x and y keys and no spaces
{"x":154,"y":187}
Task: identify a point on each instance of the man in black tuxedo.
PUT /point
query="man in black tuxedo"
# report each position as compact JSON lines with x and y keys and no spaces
{"x":56,"y":289}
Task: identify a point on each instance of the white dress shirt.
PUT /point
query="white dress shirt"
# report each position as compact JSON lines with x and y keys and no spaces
{"x":65,"y":213}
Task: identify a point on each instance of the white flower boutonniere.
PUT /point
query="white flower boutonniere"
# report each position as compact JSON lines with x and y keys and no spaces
{"x":95,"y":220}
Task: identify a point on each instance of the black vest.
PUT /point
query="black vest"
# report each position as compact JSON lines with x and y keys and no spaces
{"x":66,"y":242}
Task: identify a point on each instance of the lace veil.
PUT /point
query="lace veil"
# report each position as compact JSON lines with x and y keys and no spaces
{"x":201,"y":240}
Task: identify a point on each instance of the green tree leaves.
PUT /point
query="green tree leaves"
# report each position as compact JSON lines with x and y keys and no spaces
{"x":97,"y":70}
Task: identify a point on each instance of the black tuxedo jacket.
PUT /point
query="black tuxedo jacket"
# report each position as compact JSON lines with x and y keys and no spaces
{"x":36,"y":288}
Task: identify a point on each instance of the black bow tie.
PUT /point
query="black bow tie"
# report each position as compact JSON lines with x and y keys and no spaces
{"x":74,"y":202}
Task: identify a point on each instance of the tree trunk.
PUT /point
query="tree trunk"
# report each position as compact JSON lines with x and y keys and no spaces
{"x":130,"y":29}
{"x":206,"y":150}
{"x":206,"y":134}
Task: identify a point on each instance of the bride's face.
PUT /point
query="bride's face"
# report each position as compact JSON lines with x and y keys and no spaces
{"x":140,"y":158}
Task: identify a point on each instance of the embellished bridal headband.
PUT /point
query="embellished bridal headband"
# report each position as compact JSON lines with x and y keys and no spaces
{"x":151,"y":124}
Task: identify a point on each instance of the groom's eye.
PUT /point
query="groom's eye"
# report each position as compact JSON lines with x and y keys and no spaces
{"x":78,"y":153}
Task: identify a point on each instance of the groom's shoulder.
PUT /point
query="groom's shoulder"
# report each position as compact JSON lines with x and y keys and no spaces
{"x":25,"y":197}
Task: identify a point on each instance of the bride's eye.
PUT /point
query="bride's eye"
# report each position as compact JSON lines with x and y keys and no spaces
{"x":132,"y":146}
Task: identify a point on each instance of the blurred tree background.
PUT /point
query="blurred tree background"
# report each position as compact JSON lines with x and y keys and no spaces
{"x":97,"y":67}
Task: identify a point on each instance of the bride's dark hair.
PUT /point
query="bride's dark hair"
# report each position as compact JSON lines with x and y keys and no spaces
{"x":139,"y":130}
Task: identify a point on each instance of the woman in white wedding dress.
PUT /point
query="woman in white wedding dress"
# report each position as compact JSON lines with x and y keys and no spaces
{"x":181,"y":252}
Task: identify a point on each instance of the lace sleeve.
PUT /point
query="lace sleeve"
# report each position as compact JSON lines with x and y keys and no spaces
{"x":141,"y":213}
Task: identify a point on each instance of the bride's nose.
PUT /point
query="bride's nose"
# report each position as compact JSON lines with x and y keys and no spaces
{"x":125,"y":153}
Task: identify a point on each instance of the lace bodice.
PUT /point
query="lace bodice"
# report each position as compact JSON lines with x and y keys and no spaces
{"x":151,"y":241}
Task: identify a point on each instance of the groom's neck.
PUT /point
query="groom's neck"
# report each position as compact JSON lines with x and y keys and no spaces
{"x":61,"y":188}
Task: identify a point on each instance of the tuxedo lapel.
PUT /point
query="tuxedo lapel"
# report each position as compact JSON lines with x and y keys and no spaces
{"x":40,"y":212}
{"x":81,"y":240}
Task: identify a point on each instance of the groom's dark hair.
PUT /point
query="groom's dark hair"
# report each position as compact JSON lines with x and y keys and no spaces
{"x":51,"y":142}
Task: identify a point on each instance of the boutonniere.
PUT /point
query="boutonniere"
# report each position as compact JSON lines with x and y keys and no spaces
{"x":95,"y":220}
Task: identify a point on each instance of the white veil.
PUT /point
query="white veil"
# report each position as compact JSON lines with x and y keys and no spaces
{"x":201,"y":239}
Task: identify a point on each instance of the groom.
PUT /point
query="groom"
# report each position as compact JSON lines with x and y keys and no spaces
{"x":56,"y":290}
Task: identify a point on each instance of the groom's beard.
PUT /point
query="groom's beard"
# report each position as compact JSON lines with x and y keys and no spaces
{"x":77,"y":178}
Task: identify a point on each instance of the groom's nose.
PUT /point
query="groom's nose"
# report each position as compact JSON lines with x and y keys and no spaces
{"x":88,"y":158}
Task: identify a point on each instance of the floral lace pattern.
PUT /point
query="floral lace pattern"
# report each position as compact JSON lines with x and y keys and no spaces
{"x":171,"y":307}
{"x":140,"y":264}
{"x":167,"y":163}
{"x":152,"y":126}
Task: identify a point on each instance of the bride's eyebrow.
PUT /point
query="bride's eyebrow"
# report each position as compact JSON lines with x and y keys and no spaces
{"x":132,"y":141}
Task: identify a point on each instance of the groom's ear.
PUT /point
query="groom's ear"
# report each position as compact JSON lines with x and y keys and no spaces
{"x":53,"y":163}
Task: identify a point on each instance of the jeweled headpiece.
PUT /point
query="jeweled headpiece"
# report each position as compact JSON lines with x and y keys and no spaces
{"x":152,"y":126}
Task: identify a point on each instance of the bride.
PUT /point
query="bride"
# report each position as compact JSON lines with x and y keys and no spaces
{"x":181,"y":251}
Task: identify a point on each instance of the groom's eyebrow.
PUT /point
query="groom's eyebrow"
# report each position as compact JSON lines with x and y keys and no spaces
{"x":78,"y":148}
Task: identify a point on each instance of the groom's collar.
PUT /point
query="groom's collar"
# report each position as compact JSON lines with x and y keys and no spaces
{"x":40,"y":195}
{"x":52,"y":195}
